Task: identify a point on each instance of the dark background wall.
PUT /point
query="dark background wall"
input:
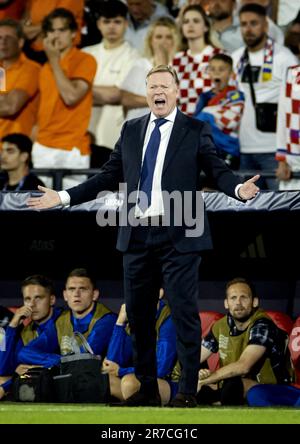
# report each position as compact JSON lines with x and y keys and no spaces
{"x":261,"y":245}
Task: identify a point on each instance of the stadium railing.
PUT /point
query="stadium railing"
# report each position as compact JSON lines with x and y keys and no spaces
{"x":57,"y":175}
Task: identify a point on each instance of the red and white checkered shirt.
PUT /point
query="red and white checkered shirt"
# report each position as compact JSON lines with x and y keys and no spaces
{"x":227,"y":111}
{"x":193,"y":77}
{"x":288,"y":124}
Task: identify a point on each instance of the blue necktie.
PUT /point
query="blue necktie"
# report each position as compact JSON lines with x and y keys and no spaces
{"x":149,"y":164}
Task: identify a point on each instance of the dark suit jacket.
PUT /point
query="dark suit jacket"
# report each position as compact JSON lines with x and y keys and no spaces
{"x":190,"y":150}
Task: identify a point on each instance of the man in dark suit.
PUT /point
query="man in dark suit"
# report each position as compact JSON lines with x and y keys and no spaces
{"x":160,"y":250}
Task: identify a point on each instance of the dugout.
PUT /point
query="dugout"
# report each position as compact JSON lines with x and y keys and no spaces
{"x":259,"y":239}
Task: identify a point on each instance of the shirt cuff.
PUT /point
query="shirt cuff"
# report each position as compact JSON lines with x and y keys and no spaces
{"x":125,"y":371}
{"x":236,"y":191}
{"x":65,"y":198}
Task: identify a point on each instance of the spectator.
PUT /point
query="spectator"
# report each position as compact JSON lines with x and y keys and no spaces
{"x":292,"y":37}
{"x":39,"y":299}
{"x":225,"y":22}
{"x":141,"y":14}
{"x":260,"y":65}
{"x":287,"y":12}
{"x":115,"y":58}
{"x":265,"y":3}
{"x":191,"y":64}
{"x":252,"y":349}
{"x":90,"y":34}
{"x":35,"y":13}
{"x":288,"y":131}
{"x":161,"y":44}
{"x":16,"y":163}
{"x":84,"y":314}
{"x":62,"y":140}
{"x":182,"y":4}
{"x":19,"y":100}
{"x":222,"y":107}
{"x":119,"y":360}
{"x":12,"y":9}
{"x":273,"y":30}
{"x":162,"y":41}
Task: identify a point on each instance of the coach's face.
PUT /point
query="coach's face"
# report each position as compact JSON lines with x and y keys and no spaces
{"x":162,"y":93}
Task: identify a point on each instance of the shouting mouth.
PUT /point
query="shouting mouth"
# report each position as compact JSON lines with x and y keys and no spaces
{"x":160,"y":103}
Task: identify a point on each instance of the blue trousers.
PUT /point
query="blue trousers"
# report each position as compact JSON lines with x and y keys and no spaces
{"x":268,"y":395}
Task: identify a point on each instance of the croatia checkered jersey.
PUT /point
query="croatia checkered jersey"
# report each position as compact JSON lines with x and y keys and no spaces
{"x":288,"y":121}
{"x":193,"y":77}
{"x":227,"y":109}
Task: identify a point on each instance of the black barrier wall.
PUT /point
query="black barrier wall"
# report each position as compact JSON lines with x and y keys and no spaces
{"x":259,"y":240}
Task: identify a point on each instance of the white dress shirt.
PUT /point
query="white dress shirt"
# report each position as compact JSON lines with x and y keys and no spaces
{"x":156,"y":208}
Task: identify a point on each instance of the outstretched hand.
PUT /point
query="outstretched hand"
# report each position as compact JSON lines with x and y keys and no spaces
{"x":249,"y":190}
{"x":49,"y":199}
{"x":110,"y":367}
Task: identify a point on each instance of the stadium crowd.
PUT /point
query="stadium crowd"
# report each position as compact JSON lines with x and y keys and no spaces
{"x":74,"y":71}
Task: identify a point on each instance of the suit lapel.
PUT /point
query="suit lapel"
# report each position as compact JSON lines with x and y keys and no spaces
{"x":179,"y":130}
{"x":138,"y":142}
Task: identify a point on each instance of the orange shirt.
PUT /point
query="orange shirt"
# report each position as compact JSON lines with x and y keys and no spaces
{"x":15,"y":10}
{"x":59,"y":125}
{"x":39,"y":9}
{"x":24,"y":75}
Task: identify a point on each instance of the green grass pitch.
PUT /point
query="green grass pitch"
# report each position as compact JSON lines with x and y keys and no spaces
{"x":27,"y":413}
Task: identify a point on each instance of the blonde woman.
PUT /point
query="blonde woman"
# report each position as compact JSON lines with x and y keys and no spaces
{"x":161,"y":43}
{"x":191,"y":64}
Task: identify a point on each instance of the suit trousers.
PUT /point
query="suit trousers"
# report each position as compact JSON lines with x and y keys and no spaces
{"x":151,"y":262}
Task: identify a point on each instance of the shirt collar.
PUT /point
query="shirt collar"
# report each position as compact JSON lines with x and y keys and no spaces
{"x":170,"y":117}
